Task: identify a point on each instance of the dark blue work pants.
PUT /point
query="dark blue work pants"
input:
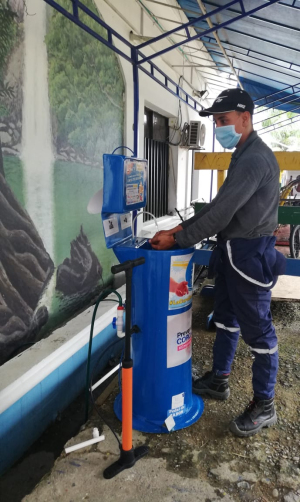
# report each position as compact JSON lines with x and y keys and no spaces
{"x":243,"y":306}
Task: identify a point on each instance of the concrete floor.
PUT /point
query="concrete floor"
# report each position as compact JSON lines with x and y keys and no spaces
{"x":79,"y":476}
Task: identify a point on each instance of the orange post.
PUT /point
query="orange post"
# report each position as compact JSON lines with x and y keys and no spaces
{"x":129,"y":455}
{"x":127,"y":409}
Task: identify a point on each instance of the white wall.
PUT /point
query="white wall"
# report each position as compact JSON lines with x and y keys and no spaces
{"x":124,"y":17}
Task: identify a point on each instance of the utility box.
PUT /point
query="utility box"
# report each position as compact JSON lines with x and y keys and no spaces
{"x":124,"y":182}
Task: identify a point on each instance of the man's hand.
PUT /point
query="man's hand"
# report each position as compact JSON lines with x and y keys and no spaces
{"x":162,"y":241}
{"x":160,"y":238}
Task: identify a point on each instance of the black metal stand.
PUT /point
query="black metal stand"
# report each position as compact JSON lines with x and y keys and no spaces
{"x":128,"y":457}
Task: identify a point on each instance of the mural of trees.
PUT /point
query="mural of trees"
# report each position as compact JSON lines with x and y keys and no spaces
{"x":85,"y":88}
{"x":61,"y":108}
{"x":8,"y":31}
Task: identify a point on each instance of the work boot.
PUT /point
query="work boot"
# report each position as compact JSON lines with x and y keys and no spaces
{"x":258,"y":414}
{"x":212,"y":385}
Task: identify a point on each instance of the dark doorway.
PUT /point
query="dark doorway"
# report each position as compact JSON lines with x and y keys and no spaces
{"x":157,"y":154}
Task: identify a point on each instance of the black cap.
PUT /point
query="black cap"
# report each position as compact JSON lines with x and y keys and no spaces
{"x":229,"y":101}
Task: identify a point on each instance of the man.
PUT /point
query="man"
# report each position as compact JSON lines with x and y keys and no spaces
{"x":245,"y":263}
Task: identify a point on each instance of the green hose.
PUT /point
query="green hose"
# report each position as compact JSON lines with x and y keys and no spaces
{"x":103,"y":295}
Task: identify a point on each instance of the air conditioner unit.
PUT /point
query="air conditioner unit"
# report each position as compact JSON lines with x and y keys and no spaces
{"x":196,"y":134}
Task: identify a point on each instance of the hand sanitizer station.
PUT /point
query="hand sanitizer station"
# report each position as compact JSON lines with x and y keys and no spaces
{"x":161,"y":306}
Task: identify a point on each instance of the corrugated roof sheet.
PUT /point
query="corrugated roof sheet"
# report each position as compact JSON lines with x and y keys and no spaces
{"x":263,"y":48}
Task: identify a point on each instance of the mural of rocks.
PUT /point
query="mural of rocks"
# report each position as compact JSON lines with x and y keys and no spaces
{"x":60,"y":111}
{"x":10,"y":134}
{"x":25,"y":269}
{"x":82,"y":271}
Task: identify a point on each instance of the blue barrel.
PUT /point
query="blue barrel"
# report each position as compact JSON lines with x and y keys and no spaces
{"x":162,"y":350}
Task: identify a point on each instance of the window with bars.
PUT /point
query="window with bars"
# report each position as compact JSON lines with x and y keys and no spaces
{"x":157,"y":154}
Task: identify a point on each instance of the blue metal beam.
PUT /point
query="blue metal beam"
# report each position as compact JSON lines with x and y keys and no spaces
{"x":190,"y":11}
{"x":248,"y":55}
{"x":198,"y":19}
{"x":259,"y":39}
{"x":249,"y":63}
{"x":288,"y":88}
{"x":204,"y":33}
{"x":289,"y":6}
{"x":233,"y":48}
{"x":135,"y":76}
{"x":277,"y":106}
{"x":259,"y":76}
{"x":258,"y":18}
{"x":178,"y":92}
{"x":238,"y":58}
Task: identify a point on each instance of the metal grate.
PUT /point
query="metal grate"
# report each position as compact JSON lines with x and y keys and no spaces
{"x":194,"y":133}
{"x":157,"y":154}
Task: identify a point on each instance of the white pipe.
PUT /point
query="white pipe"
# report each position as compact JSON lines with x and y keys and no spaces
{"x":85,"y":443}
{"x":106,"y":377}
{"x":143,"y":212}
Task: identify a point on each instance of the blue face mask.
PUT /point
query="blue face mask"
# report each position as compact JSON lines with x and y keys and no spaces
{"x":227,"y":136}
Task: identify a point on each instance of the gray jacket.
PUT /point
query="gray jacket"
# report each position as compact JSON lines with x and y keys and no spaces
{"x":246,"y":205}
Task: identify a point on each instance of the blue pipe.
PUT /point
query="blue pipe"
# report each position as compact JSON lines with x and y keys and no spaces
{"x":135,"y":73}
{"x":134,"y":57}
{"x":212,"y":172}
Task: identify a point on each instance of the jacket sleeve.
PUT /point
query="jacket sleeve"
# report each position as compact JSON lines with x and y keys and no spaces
{"x":239,"y":188}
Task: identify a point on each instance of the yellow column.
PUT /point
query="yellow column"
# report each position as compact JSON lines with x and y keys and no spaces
{"x":220,"y":179}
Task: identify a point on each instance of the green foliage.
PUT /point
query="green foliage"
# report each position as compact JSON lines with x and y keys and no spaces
{"x":85,"y":86}
{"x":8,"y":30}
{"x":284,"y":136}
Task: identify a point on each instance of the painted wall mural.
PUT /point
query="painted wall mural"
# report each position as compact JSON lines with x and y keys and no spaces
{"x":61,"y":108}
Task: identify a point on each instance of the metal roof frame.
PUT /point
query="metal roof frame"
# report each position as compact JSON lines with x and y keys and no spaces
{"x":238,"y":10}
{"x":255,"y":37}
{"x":278,"y":106}
{"x":153,"y":72}
{"x":138,"y":59}
{"x":263,"y":48}
{"x":248,"y":53}
{"x":274,"y":94}
{"x":274,"y":127}
{"x":238,"y":58}
{"x":198,"y":36}
{"x":258,"y":18}
{"x":259,"y":39}
{"x":278,"y":115}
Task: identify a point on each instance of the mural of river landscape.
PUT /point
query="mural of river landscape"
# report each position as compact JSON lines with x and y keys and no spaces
{"x":61,"y":108}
